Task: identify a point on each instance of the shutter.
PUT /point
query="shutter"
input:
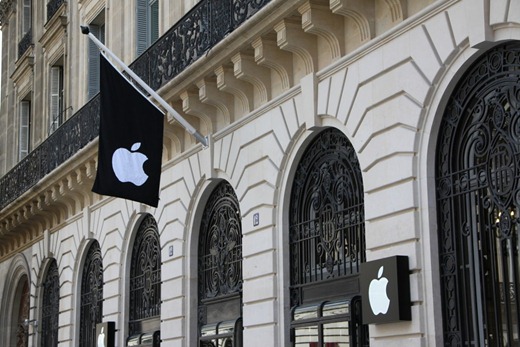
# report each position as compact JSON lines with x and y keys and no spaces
{"x":25,"y":118}
{"x":56,"y":98}
{"x":154,"y":20}
{"x":93,"y":62}
{"x":26,"y":21}
{"x":141,"y":26}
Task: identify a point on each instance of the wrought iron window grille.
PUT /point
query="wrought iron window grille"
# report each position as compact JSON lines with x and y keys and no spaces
{"x":145,"y":279}
{"x":91,"y":297}
{"x":50,"y":306}
{"x":478,"y":196}
{"x":220,"y":261}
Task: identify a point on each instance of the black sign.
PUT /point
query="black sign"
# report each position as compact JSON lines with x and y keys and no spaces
{"x":385,"y":288}
{"x":105,"y":334}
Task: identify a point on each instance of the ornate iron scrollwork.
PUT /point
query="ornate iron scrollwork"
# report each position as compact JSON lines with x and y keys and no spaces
{"x":62,"y":144}
{"x":22,"y":330}
{"x":91,"y":310}
{"x":25,"y":43}
{"x":326,"y":215}
{"x":145,"y":274}
{"x":52,"y":7}
{"x":199,"y":30}
{"x":50,"y":306}
{"x":220,"y":247}
{"x":478,"y":200}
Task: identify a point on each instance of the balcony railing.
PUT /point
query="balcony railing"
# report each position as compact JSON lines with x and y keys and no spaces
{"x":190,"y":38}
{"x":62,"y":144}
{"x":25,"y":43}
{"x":199,"y":30}
{"x":52,"y":8}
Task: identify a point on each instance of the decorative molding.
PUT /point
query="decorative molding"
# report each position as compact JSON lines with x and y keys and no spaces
{"x":6,"y":8}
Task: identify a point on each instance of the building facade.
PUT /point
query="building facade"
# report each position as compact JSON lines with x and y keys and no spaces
{"x":340,"y":132}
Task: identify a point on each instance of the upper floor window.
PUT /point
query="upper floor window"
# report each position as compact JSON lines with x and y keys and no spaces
{"x":147,"y":23}
{"x":26,"y":16}
{"x":25,"y":27}
{"x":97,"y":28}
{"x":24,"y":128}
{"x":56,"y":98}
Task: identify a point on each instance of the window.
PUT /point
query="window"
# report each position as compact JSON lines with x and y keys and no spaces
{"x":478,"y":200}
{"x":19,"y":328}
{"x":327,"y":245}
{"x":147,"y":23}
{"x":145,"y":286}
{"x":56,"y":98}
{"x":50,"y":306}
{"x":220,"y":270}
{"x":91,"y":297}
{"x":24,"y":129}
{"x":26,"y":16}
{"x":97,"y":28}
{"x":25,"y":27}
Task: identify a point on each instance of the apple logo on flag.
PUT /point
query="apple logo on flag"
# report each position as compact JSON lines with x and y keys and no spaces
{"x":377,"y":296}
{"x":128,"y":165}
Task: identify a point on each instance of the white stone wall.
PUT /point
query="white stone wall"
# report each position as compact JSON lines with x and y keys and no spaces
{"x":387,"y":97}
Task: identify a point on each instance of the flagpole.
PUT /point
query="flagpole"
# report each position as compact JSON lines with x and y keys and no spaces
{"x":204,"y":140}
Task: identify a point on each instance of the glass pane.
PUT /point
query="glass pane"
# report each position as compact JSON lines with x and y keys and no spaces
{"x":336,"y":334}
{"x":226,"y":327}
{"x":306,"y":336}
{"x":306,"y":312}
{"x":336,"y":308}
{"x":209,"y":330}
{"x":228,"y":342}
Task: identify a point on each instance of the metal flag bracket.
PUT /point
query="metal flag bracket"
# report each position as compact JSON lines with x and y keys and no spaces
{"x":189,"y":128}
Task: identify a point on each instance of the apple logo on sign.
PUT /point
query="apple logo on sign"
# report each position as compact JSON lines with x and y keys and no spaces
{"x":128,"y":166}
{"x":377,"y":297}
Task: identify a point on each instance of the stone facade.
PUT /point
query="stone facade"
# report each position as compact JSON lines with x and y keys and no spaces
{"x":379,"y":71}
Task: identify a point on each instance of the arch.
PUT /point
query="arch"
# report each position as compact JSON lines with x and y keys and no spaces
{"x":326,"y":238}
{"x":477,"y":180}
{"x":195,"y":211}
{"x":145,"y":281}
{"x":10,"y":317}
{"x":50,"y":304}
{"x":220,"y":268}
{"x":91,"y":295}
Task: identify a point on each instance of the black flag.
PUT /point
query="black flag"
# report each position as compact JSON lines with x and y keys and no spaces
{"x":130,"y":140}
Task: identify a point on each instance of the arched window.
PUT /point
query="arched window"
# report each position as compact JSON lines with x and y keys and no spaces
{"x":20,"y":314}
{"x":327,"y":244}
{"x":220,"y":270}
{"x":145,"y":285}
{"x":478,"y":200}
{"x":50,"y":306}
{"x":91,"y":310}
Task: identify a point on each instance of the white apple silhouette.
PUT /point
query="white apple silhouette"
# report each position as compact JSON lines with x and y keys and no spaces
{"x":377,"y":297}
{"x":101,"y":338}
{"x":128,"y":166}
